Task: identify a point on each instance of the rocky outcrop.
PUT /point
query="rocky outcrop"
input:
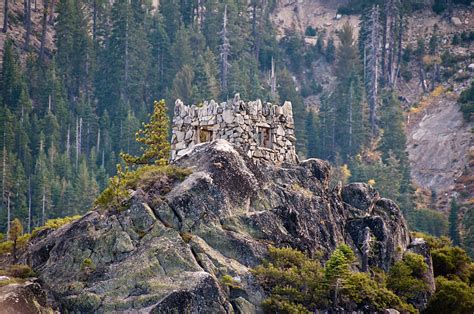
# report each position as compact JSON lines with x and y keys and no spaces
{"x":420,"y":300}
{"x":170,"y":249}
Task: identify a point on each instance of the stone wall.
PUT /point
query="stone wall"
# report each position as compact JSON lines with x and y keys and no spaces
{"x":264,"y":131}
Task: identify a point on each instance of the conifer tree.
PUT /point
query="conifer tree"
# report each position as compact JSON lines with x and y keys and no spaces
{"x":182,"y":87}
{"x":154,"y":137}
{"x":453,"y":223}
{"x":287,"y":91}
{"x":330,"y":50}
{"x":16,"y":230}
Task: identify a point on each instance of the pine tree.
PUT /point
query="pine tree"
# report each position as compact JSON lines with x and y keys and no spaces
{"x":330,"y":50}
{"x":16,"y":230}
{"x":11,"y":79}
{"x":169,"y":9}
{"x":394,"y":139}
{"x":183,"y":85}
{"x":160,"y":57}
{"x":453,"y":223}
{"x":372,"y":68}
{"x":73,"y":43}
{"x":154,"y":135}
{"x":311,"y":130}
{"x":287,"y":91}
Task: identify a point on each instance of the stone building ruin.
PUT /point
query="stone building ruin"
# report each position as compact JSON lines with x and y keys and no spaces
{"x":264,"y":131}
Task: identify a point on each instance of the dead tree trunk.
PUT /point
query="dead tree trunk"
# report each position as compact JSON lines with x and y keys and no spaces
{"x":224,"y":54}
{"x":5,"y":16}
{"x":372,"y":80}
{"x":44,"y":29}
{"x":27,"y":25}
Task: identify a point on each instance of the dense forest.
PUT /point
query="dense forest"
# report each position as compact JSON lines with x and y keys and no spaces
{"x":65,"y":117}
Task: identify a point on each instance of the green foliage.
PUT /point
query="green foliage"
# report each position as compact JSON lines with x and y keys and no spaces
{"x":466,"y":99}
{"x":439,"y":6}
{"x":18,"y":271}
{"x":16,"y":230}
{"x":429,"y":221}
{"x":363,"y":290}
{"x":6,"y":247}
{"x":154,"y":136}
{"x":330,"y":50}
{"x":405,"y":276}
{"x":228,"y":281}
{"x":452,"y":262}
{"x":55,"y":223}
{"x":298,"y":284}
{"x":337,"y":266}
{"x":294,"y":280}
{"x":116,"y":192}
{"x":310,"y":31}
{"x":451,"y":296}
{"x":453,"y":223}
{"x":87,"y":265}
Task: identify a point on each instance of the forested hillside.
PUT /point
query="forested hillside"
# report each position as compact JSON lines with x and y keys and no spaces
{"x":68,"y":111}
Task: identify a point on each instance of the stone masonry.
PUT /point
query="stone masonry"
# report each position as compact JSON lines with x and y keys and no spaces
{"x":264,"y":131}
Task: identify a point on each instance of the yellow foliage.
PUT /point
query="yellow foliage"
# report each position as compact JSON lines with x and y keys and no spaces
{"x":55,"y":224}
{"x":430,"y":60}
{"x":437,"y":91}
{"x":371,"y":182}
{"x":117,"y":191}
{"x":346,"y":173}
{"x":6,"y":247}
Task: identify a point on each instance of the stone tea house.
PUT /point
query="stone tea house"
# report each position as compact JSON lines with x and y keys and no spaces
{"x":264,"y":131}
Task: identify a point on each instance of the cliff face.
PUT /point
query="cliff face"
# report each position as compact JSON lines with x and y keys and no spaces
{"x":176,"y":240}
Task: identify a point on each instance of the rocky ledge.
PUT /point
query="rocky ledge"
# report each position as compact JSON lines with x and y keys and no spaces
{"x":171,"y":248}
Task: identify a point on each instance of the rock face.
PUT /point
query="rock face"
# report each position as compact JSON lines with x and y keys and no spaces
{"x":169,"y":251}
{"x":438,"y":147}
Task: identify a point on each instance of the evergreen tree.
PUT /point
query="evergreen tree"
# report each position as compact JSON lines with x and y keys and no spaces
{"x":287,"y":91}
{"x":453,"y":223}
{"x":154,"y":136}
{"x":183,"y":85}
{"x":16,"y":230}
{"x":311,"y":130}
{"x":330,"y":50}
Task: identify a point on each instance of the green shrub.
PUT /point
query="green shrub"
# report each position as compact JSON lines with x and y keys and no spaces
{"x":228,"y":281}
{"x":292,"y":279}
{"x":55,"y":223}
{"x":7,"y":282}
{"x":439,"y":6}
{"x":405,"y":278}
{"x":451,"y":296}
{"x":186,"y":236}
{"x":298,"y":284}
{"x":467,"y":102}
{"x":87,"y":265}
{"x":18,"y":271}
{"x":6,"y":247}
{"x":452,"y":262}
{"x":116,"y":193}
{"x":363,"y":290}
{"x":310,"y":31}
{"x":430,"y":221}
